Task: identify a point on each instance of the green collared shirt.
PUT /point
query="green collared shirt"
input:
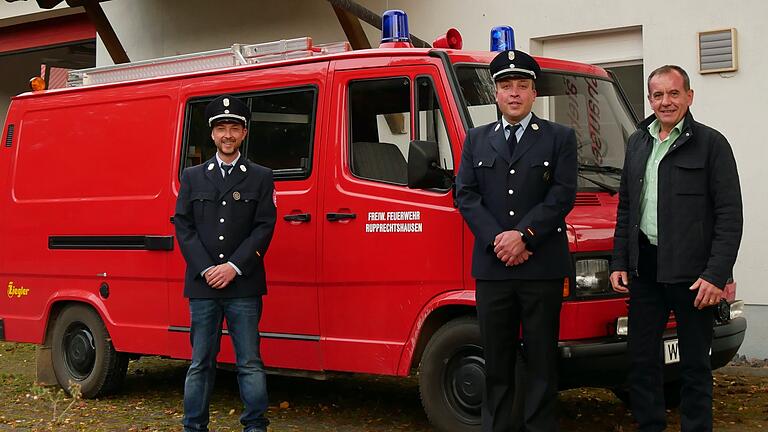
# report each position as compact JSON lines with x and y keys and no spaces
{"x":648,"y":202}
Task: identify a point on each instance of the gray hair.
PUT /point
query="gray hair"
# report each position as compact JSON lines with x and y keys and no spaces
{"x":667,"y":69}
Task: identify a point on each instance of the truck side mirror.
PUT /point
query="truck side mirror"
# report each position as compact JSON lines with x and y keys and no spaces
{"x":424,"y":171}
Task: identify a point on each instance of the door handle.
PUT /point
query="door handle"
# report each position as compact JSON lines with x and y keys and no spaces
{"x":298,"y":217}
{"x":335,"y":217}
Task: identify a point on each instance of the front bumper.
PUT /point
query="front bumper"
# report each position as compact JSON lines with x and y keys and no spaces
{"x":605,"y":363}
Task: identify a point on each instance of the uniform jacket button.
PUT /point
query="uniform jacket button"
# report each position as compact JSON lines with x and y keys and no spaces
{"x":221,"y":256}
{"x":559,"y":229}
{"x":511,"y":213}
{"x":223,"y":203}
{"x":511,"y":191}
{"x":511,"y":171}
{"x":221,"y":220}
{"x":221,"y":237}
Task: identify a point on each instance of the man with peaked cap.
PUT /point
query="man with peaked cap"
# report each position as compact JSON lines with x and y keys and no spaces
{"x":516,"y":183}
{"x":225,"y":217}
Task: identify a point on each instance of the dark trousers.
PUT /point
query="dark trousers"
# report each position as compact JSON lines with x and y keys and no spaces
{"x":649,"y":305}
{"x":503,"y":308}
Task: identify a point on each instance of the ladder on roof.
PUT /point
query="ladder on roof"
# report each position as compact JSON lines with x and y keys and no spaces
{"x":237,"y":55}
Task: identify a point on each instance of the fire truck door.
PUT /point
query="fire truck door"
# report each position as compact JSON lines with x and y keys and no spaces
{"x":387,"y":249}
{"x":282,"y":135}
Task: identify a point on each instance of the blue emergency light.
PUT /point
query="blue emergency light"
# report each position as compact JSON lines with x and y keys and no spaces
{"x":502,"y":38}
{"x":394,"y":27}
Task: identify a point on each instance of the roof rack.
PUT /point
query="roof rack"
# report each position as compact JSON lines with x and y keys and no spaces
{"x":237,"y":55}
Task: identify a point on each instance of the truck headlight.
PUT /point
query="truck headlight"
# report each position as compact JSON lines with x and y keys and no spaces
{"x":737,"y":309}
{"x":622,"y":326}
{"x":592,"y":277}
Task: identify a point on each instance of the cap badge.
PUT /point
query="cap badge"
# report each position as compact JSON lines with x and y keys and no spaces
{"x":535,"y":126}
{"x":236,"y":195}
{"x":210,"y":167}
{"x":225,"y":101}
{"x":511,"y":55}
{"x":511,"y":65}
{"x":242,"y":168}
{"x":226,"y":111}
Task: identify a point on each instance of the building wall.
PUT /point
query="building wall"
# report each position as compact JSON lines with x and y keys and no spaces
{"x":18,"y":9}
{"x":730,"y":102}
{"x":149,"y":28}
{"x":25,"y":11}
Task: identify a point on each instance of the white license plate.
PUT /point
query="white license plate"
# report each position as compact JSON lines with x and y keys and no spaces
{"x":671,"y":351}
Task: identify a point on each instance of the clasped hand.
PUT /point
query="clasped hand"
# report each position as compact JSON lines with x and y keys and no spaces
{"x":510,"y":248}
{"x":220,"y":276}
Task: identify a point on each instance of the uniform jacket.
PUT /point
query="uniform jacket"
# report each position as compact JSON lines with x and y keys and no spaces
{"x":699,"y":215}
{"x":530,"y":191}
{"x":220,"y":220}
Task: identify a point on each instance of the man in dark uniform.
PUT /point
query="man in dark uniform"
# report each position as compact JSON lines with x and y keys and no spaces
{"x":225,"y":217}
{"x":678,"y":230}
{"x":516,"y":184}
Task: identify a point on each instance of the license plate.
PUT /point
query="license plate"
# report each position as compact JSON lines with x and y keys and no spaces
{"x":671,"y":351}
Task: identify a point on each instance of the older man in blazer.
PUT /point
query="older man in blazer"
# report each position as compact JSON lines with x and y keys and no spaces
{"x":516,"y":183}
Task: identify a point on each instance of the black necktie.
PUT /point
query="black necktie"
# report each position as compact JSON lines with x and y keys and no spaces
{"x":512,"y":139}
{"x":226,"y":168}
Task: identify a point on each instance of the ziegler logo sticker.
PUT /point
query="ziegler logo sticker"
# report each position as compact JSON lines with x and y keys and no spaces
{"x":14,"y":291}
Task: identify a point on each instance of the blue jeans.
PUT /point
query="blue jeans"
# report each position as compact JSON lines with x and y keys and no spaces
{"x":242,"y":315}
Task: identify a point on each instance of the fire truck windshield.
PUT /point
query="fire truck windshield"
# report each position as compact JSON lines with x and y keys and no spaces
{"x":592,"y":106}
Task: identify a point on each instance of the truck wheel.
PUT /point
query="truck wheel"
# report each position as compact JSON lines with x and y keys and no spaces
{"x":452,"y":377}
{"x":671,"y":395}
{"x":83,"y":354}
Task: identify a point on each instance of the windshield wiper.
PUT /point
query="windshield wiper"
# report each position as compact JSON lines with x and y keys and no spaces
{"x":600,"y":169}
{"x":602,"y":185}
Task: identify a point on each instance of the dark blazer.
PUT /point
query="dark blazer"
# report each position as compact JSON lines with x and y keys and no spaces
{"x":530,"y":191}
{"x":220,"y":220}
{"x":699,"y":206}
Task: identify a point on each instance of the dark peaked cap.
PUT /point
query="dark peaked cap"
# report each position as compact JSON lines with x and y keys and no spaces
{"x":226,"y":108}
{"x":514,"y":63}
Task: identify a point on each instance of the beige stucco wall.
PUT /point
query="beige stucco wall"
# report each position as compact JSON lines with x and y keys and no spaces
{"x":732,"y":103}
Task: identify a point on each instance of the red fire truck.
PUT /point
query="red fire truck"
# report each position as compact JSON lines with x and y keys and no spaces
{"x":366,"y":274}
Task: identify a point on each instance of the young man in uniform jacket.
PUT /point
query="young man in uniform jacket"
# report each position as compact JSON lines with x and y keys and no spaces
{"x":225,"y":217}
{"x":516,"y":183}
{"x":678,"y":229}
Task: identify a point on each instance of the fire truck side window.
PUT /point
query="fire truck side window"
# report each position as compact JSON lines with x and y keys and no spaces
{"x":380,"y":125}
{"x":430,"y":124}
{"x":280,"y":132}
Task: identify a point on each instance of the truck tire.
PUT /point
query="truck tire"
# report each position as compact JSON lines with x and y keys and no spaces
{"x":83,"y":353}
{"x":452,"y":377}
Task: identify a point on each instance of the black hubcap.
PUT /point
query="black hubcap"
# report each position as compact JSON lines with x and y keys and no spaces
{"x":465,"y":383}
{"x":79,"y":351}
